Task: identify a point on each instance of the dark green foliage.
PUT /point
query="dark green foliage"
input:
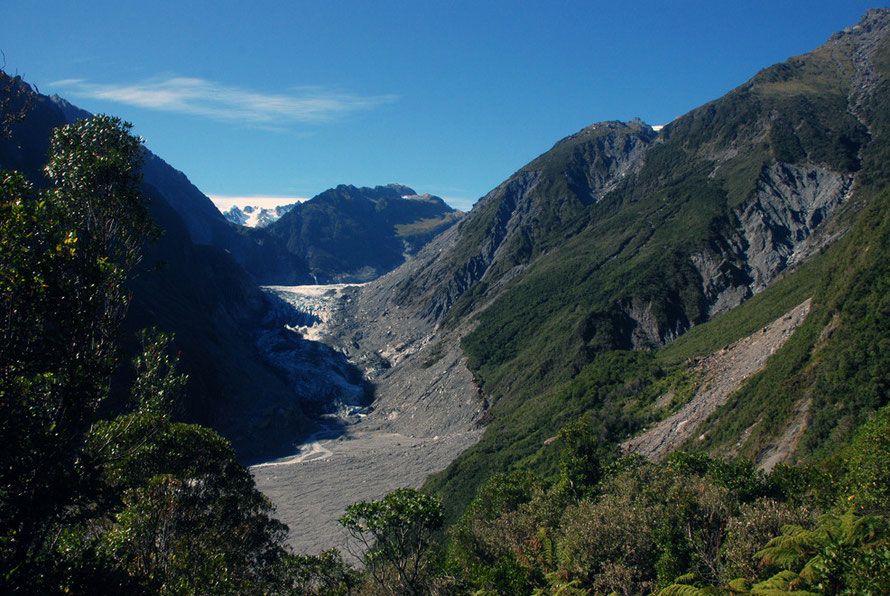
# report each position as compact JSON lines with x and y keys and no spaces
{"x":613,"y":394}
{"x":642,"y":526}
{"x":94,"y":170}
{"x":844,"y":554}
{"x":486,"y":547}
{"x":581,"y":457}
{"x":690,"y":524}
{"x":868,"y":475}
{"x":184,"y":515}
{"x":138,"y":503}
{"x":746,"y":533}
{"x":396,"y":532}
{"x":64,"y":262}
{"x":324,"y":574}
{"x":15,"y":102}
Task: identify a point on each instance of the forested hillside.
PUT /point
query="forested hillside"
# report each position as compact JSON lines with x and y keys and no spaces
{"x":661,"y":235}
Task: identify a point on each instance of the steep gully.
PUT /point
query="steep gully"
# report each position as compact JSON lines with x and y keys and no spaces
{"x":722,"y":373}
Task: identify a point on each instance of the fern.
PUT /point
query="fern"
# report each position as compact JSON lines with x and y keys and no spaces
{"x":683,"y":590}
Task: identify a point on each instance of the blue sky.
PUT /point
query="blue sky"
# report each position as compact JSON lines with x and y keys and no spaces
{"x":448,"y":97}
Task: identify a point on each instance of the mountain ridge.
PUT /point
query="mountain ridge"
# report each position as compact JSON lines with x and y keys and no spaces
{"x":621,"y":237}
{"x":356,"y":234}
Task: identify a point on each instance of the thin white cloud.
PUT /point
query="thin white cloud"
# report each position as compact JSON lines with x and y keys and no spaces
{"x":187,"y":95}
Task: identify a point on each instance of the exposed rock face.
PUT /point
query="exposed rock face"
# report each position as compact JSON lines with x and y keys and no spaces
{"x":514,"y":223}
{"x":236,"y":216}
{"x":422,"y":385}
{"x":643,"y":328}
{"x":721,"y":374}
{"x":791,"y":201}
{"x":615,"y":153}
{"x":775,"y":230}
{"x":865,"y":37}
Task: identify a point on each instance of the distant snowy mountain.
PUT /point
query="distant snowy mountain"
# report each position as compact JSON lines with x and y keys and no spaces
{"x":254,"y":212}
{"x":253,"y":216}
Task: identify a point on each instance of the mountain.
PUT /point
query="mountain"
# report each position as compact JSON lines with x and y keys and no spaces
{"x":200,"y":282}
{"x":566,"y":288}
{"x":345,"y":234}
{"x":354,"y":234}
{"x":194,"y":290}
{"x":254,"y":216}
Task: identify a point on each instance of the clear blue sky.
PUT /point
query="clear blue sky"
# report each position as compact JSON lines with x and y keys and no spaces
{"x":449,"y":97}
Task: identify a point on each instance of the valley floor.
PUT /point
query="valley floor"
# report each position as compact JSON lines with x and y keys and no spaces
{"x":311,"y":490}
{"x":364,"y":456}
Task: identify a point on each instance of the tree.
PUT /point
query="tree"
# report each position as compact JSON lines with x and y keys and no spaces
{"x":325,"y":573}
{"x":581,"y":458}
{"x":138,"y":503}
{"x":396,"y":533}
{"x":64,"y":257}
{"x":868,"y":463}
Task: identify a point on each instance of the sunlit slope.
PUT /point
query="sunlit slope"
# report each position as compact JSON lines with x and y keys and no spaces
{"x":620,"y":239}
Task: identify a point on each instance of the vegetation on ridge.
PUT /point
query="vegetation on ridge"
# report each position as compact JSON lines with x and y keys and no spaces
{"x":625,"y":278}
{"x":136,"y":503}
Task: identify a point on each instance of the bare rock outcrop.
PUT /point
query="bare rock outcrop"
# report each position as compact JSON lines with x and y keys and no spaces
{"x":722,"y":373}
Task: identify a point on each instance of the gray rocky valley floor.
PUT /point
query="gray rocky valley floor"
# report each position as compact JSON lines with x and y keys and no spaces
{"x":312,"y":489}
{"x":422,"y":417}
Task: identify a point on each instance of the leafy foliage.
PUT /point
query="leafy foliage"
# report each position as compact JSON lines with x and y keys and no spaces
{"x":396,"y":531}
{"x":64,"y":300}
{"x":138,"y":503}
{"x":322,"y":574}
{"x":842,"y":555}
{"x":868,"y":476}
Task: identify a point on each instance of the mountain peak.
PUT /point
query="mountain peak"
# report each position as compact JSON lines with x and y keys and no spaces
{"x":403,"y":190}
{"x":390,"y":191}
{"x":874,"y":21}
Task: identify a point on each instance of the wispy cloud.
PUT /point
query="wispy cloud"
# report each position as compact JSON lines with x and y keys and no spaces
{"x":201,"y":97}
